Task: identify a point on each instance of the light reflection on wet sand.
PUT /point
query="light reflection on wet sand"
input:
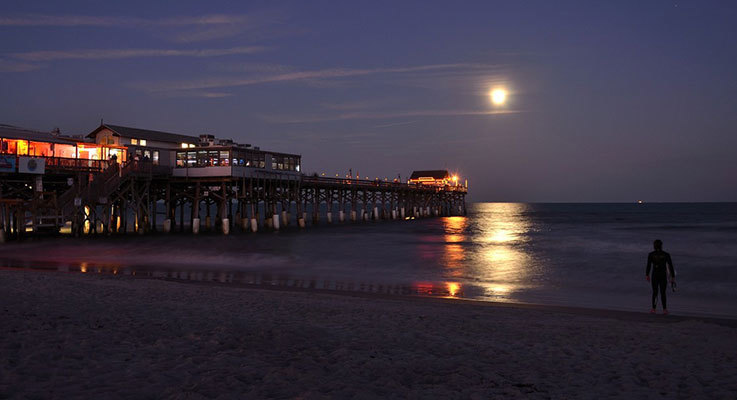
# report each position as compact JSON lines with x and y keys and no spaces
{"x":454,"y":252}
{"x":263,"y":279}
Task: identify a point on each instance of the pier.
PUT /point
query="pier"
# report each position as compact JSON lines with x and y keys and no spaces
{"x":120,"y":180}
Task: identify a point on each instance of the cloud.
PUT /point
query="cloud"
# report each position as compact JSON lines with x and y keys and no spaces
{"x":333,"y":73}
{"x":259,"y":25}
{"x":397,"y":124}
{"x":184,"y":29}
{"x":251,"y":67}
{"x":215,"y":95}
{"x":389,"y":115}
{"x":103,"y":21}
{"x":209,"y":33}
{"x":93,"y":54}
{"x":354,"y":105}
{"x":13,"y":66}
{"x":201,"y":94}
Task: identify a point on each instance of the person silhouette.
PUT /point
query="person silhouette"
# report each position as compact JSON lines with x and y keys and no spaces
{"x":662,"y":266}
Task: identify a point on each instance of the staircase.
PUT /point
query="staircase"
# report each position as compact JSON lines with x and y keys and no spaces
{"x":45,"y":215}
{"x":101,"y":187}
{"x":47,"y":212}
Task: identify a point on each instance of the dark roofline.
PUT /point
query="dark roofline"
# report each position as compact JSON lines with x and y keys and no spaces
{"x":18,"y":133}
{"x":96,"y":131}
{"x":235,"y":146}
{"x":160,"y":136}
{"x":435,"y":174}
{"x":147,"y":134}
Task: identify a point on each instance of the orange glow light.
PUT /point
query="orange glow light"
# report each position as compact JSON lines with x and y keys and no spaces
{"x":453,"y":288}
{"x":22,"y":148}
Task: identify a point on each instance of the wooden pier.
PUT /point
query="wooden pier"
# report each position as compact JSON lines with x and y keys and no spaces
{"x":135,"y":197}
{"x":216,"y":186}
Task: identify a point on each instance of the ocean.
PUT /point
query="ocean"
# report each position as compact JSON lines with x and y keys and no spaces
{"x":583,"y":255}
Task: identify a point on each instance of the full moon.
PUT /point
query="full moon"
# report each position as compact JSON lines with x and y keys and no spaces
{"x":498,"y":96}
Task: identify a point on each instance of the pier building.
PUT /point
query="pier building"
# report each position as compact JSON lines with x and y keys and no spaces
{"x":438,"y":178}
{"x":53,"y":151}
{"x":213,"y":158}
{"x":157,"y":146}
{"x":119,"y":179}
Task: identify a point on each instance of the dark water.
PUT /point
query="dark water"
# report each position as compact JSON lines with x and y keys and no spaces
{"x":590,"y":255}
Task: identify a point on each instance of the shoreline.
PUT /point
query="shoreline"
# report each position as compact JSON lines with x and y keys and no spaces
{"x":724,"y":320}
{"x":583,"y":311}
{"x":78,"y":335}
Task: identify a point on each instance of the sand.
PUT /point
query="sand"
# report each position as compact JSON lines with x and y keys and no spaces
{"x":102,"y":336}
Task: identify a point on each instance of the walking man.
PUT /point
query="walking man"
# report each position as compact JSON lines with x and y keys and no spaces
{"x":662,"y":266}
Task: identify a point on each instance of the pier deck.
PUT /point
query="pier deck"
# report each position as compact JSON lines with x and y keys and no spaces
{"x":137,"y":196}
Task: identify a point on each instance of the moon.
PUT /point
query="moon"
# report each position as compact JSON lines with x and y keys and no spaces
{"x":498,"y":96}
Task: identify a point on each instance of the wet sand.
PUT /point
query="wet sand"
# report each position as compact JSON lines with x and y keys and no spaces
{"x":91,"y":336}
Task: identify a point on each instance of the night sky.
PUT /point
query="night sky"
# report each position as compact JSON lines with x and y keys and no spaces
{"x":607,"y":101}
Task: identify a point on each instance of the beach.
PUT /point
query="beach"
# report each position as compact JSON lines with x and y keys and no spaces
{"x":70,"y":335}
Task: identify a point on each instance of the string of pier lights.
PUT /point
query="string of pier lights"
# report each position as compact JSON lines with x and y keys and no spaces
{"x":453,"y":178}
{"x":357,"y":177}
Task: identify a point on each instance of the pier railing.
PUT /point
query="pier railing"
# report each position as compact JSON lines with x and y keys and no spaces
{"x":377,"y":184}
{"x":75,"y":164}
{"x":144,"y":168}
{"x":135,"y":167}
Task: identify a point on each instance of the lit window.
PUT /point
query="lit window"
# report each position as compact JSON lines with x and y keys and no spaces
{"x":134,"y":141}
{"x":184,"y":145}
{"x":191,"y":146}
{"x":143,"y":142}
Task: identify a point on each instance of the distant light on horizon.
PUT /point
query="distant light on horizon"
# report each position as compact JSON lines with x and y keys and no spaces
{"x":498,"y":96}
